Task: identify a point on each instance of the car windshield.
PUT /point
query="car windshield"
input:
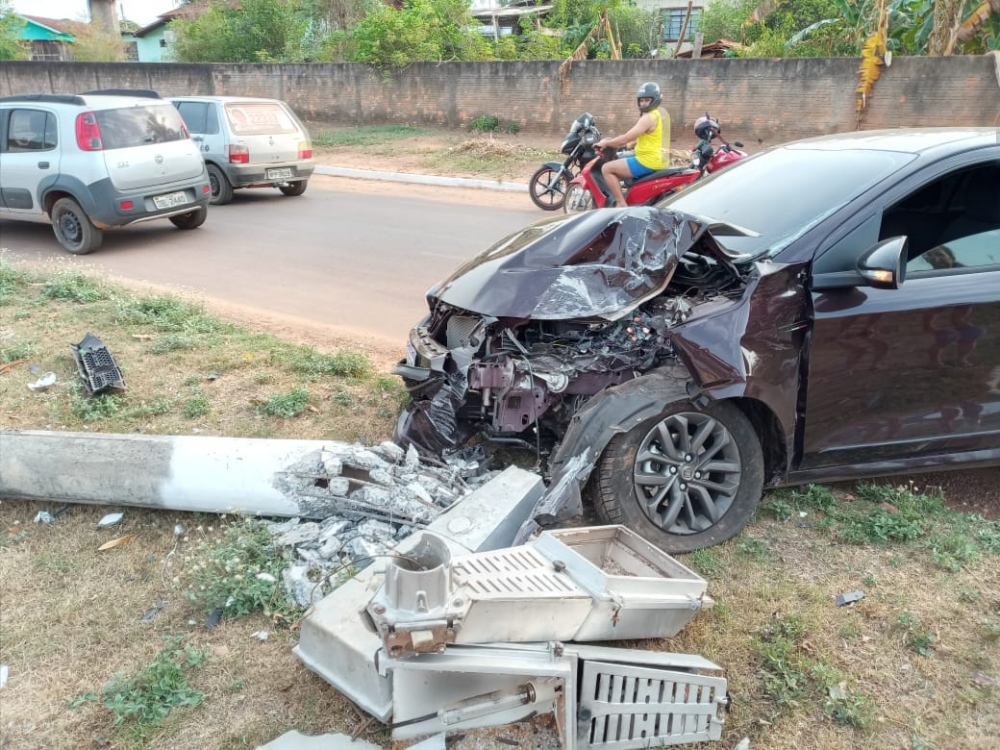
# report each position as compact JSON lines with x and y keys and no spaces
{"x":780,"y":194}
{"x":138,"y":126}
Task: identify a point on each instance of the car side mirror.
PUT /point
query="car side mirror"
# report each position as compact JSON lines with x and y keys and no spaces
{"x":884,"y":266}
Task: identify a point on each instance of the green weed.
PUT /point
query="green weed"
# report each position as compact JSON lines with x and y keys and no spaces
{"x":367,"y":136}
{"x":753,"y":547}
{"x":11,"y":350}
{"x":196,"y":406}
{"x":166,"y":313}
{"x":172,"y":343}
{"x":813,"y":497}
{"x":343,"y":398}
{"x":485,"y":124}
{"x":241,"y":572}
{"x":74,"y":287}
{"x":305,"y":360}
{"x":94,"y":408}
{"x":918,"y":639}
{"x":12,"y":279}
{"x":706,"y":562}
{"x":285,"y":405}
{"x":148,"y":697}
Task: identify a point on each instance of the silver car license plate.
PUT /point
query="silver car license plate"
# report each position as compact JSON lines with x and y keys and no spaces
{"x":169,"y":200}
{"x":279,"y":174}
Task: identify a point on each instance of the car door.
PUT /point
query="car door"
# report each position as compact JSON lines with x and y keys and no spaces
{"x":202,"y":121}
{"x":897,"y":375}
{"x":29,"y":152}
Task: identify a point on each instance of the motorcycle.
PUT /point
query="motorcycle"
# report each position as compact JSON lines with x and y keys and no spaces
{"x":589,"y":189}
{"x":548,"y":184}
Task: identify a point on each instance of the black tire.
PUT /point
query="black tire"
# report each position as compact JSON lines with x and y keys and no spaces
{"x":668,"y":497}
{"x":221,"y":189}
{"x":578,"y":200}
{"x":547,"y":188}
{"x":294,"y":188}
{"x":190,"y":220}
{"x":73,"y":228}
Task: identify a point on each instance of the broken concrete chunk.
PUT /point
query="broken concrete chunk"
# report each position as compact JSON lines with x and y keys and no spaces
{"x":412,"y":458}
{"x":381,"y":476}
{"x":362,"y":458}
{"x":280,"y":528}
{"x":376,"y":530}
{"x":339,"y":486}
{"x":331,"y":463}
{"x":377,"y":497}
{"x":392,"y":451}
{"x":331,"y":548}
{"x":331,"y":527}
{"x":303,"y":591}
{"x":362,"y":549}
{"x":301,"y":534}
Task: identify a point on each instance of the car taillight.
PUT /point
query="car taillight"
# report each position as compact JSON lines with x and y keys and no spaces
{"x":238,"y":154}
{"x":88,"y":132}
{"x":305,"y":150}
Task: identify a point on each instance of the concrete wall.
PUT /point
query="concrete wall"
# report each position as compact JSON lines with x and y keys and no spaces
{"x":760,"y":102}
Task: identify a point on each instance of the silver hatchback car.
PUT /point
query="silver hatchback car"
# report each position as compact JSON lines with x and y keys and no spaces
{"x":248,"y":142}
{"x":94,"y":161}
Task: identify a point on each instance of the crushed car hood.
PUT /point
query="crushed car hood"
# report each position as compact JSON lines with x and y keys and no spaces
{"x":599,"y":264}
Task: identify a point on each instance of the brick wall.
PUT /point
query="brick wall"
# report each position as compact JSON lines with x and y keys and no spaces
{"x":760,"y":102}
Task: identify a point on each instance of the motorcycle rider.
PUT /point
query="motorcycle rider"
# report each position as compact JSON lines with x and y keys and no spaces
{"x":651,"y":135}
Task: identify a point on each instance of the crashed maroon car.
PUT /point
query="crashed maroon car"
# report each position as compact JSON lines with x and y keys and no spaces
{"x":828,"y":310}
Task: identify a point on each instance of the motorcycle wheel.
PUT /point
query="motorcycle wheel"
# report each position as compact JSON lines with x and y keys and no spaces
{"x":578,"y":200}
{"x":547,"y":188}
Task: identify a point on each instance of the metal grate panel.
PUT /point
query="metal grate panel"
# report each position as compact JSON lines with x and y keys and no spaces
{"x":459,"y":328}
{"x":515,"y":571}
{"x":639,"y":707}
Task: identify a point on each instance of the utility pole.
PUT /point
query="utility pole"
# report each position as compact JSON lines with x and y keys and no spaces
{"x":104,"y":14}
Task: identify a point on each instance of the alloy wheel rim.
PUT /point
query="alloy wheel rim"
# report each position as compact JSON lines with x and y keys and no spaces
{"x":687,"y":473}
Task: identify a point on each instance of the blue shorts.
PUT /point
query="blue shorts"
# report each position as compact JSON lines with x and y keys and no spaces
{"x":637,"y":169}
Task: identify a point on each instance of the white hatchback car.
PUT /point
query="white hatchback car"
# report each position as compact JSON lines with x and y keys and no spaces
{"x":99,"y":160}
{"x":248,"y":142}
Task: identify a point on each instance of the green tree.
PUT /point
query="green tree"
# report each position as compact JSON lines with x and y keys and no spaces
{"x":257,"y":31}
{"x":12,"y":47}
{"x":724,"y":19}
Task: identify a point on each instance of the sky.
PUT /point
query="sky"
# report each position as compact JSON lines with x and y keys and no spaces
{"x":140,"y":11}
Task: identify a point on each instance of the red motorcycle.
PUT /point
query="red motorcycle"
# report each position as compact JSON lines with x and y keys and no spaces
{"x":589,"y":190}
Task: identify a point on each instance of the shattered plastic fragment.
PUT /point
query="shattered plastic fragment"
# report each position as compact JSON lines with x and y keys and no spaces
{"x":96,"y":366}
{"x":43,"y":383}
{"x":260,"y":635}
{"x":110,"y":520}
{"x":43,"y":516}
{"x":116,"y":542}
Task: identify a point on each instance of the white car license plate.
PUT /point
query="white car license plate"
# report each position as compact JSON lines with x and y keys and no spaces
{"x":169,"y":200}
{"x":279,"y":174}
{"x":411,"y":354}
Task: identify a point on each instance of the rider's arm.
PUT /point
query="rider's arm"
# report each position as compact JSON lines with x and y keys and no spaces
{"x":643,"y":125}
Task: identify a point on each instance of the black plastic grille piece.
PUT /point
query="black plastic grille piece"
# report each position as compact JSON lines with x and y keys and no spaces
{"x":97,"y":367}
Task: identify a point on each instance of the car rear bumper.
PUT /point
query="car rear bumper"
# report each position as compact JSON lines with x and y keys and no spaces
{"x":116,"y":208}
{"x":245,"y":175}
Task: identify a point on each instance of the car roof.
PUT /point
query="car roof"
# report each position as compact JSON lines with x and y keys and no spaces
{"x":904,"y":140}
{"x":91,"y":101}
{"x":223,"y":99}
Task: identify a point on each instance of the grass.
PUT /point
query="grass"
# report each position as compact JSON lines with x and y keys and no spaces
{"x":366,"y":136}
{"x":910,"y":665}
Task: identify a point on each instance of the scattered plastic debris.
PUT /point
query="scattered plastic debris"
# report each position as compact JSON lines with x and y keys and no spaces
{"x":213,"y":618}
{"x":43,"y":383}
{"x":212,"y":376}
{"x":260,"y":635}
{"x":111,"y":519}
{"x":179,"y":529}
{"x":152,"y":611}
{"x":97,"y":367}
{"x":4,"y":674}
{"x":849,"y":598}
{"x":43,"y":517}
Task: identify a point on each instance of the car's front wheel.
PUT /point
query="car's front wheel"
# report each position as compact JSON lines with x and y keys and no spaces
{"x":73,"y":228}
{"x":686,"y":479}
{"x":190,"y":220}
{"x":294,"y":188}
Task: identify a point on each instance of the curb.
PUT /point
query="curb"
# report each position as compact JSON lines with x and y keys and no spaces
{"x":422,"y":179}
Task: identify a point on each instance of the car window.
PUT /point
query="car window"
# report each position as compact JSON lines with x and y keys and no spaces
{"x":139,"y":126}
{"x":31,"y":130}
{"x":952,"y":224}
{"x":781,"y":193}
{"x":259,"y":118}
{"x":195,"y":115}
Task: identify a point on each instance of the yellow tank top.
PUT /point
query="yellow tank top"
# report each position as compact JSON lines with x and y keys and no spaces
{"x":652,"y":149}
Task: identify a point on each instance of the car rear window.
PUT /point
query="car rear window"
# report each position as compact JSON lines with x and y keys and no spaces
{"x":139,"y":126}
{"x":259,"y":118}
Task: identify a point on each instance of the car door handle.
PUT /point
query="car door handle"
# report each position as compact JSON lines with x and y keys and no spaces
{"x":198,"y":138}
{"x":43,"y":165}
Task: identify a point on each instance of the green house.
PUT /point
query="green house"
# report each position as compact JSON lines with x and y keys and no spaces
{"x":49,"y":38}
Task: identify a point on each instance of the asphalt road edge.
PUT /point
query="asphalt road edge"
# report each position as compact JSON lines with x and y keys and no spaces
{"x":422,"y":179}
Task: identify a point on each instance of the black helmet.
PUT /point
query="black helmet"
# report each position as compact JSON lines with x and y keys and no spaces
{"x":649,"y":90}
{"x":707,"y":127}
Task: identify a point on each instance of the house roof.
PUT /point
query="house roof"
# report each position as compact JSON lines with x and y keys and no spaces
{"x":58,"y":26}
{"x":510,"y":12}
{"x":187,"y":12}
{"x":715,"y":49}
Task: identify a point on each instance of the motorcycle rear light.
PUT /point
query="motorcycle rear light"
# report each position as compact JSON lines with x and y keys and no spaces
{"x":305,"y":150}
{"x":88,"y":132}
{"x":238,"y":154}
{"x":126,"y":205}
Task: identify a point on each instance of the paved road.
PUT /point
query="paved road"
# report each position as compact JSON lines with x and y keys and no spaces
{"x":337,"y":256}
